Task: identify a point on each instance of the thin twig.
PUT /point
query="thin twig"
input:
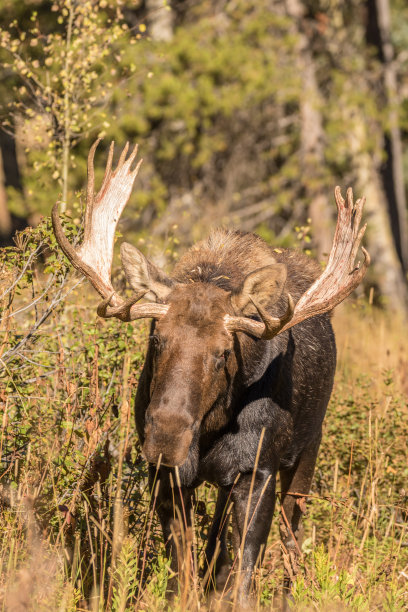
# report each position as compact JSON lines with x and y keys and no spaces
{"x":24,"y":270}
{"x":57,"y":299}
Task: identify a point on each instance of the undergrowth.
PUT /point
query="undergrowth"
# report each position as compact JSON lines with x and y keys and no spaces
{"x":78,"y":529}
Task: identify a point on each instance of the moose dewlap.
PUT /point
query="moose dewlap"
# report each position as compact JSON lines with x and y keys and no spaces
{"x":238,"y":372}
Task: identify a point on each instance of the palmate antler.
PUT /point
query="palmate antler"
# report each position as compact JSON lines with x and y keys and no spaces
{"x":94,"y":257}
{"x":335,"y":283}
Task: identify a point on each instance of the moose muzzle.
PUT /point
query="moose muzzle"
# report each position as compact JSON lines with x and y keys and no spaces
{"x":167,"y":434}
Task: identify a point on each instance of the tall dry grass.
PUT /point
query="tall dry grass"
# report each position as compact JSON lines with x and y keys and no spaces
{"x":78,"y":528}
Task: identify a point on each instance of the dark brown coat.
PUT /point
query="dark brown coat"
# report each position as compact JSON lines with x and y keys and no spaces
{"x":207,"y":397}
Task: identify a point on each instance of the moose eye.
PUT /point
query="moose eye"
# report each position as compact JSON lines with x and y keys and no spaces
{"x":221,"y":359}
{"x":157,"y":341}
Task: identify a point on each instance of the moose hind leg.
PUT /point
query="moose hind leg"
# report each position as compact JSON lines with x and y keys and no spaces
{"x":296,"y":480}
{"x":217,"y":563}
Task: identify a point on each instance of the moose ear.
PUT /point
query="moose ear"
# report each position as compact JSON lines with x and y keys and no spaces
{"x":264,"y":285}
{"x":143,"y":274}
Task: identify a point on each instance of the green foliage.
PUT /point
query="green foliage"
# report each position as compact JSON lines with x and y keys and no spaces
{"x":61,"y":85}
{"x":329,"y":586}
{"x":158,"y":578}
{"x":217,"y":108}
{"x":125,"y":577}
{"x":217,"y":80}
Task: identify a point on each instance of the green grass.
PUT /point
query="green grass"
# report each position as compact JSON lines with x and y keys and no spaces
{"x":77,"y":525}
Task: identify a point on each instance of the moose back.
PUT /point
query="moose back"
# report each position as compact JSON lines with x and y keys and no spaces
{"x":238,"y":372}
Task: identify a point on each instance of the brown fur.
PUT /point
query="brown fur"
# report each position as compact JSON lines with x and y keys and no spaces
{"x":226,"y":257}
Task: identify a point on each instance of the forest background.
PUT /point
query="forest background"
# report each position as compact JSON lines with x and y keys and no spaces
{"x":247,"y":115}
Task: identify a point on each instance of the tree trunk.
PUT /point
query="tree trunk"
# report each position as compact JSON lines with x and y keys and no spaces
{"x":378,"y":33}
{"x":388,"y":274}
{"x":160,"y":20}
{"x":6,"y":225}
{"x":9,"y":176}
{"x":312,"y":139}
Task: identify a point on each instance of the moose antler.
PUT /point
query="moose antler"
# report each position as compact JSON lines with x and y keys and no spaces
{"x":94,"y":257}
{"x":335,"y":283}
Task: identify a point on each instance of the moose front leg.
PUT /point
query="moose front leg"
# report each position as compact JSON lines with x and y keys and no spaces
{"x":254,"y":502}
{"x":217,"y":563}
{"x":174,"y":506}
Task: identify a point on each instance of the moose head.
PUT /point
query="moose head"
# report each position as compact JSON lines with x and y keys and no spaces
{"x":195,"y":323}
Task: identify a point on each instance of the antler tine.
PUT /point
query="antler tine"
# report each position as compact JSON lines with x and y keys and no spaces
{"x":356,"y":247}
{"x":130,"y":311}
{"x":131,"y":159}
{"x":270,"y":326}
{"x":358,"y":213}
{"x":106,"y":311}
{"x":133,"y":154}
{"x":90,"y":189}
{"x":126,"y":163}
{"x":108,"y":169}
{"x":273,"y":325}
{"x":123,"y":155}
{"x":349,"y":198}
{"x":338,"y":197}
{"x":360,"y":271}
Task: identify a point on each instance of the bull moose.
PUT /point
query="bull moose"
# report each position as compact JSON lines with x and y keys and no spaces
{"x":238,"y":372}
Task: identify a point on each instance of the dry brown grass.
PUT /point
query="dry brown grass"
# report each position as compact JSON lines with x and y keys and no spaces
{"x":102,"y":549}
